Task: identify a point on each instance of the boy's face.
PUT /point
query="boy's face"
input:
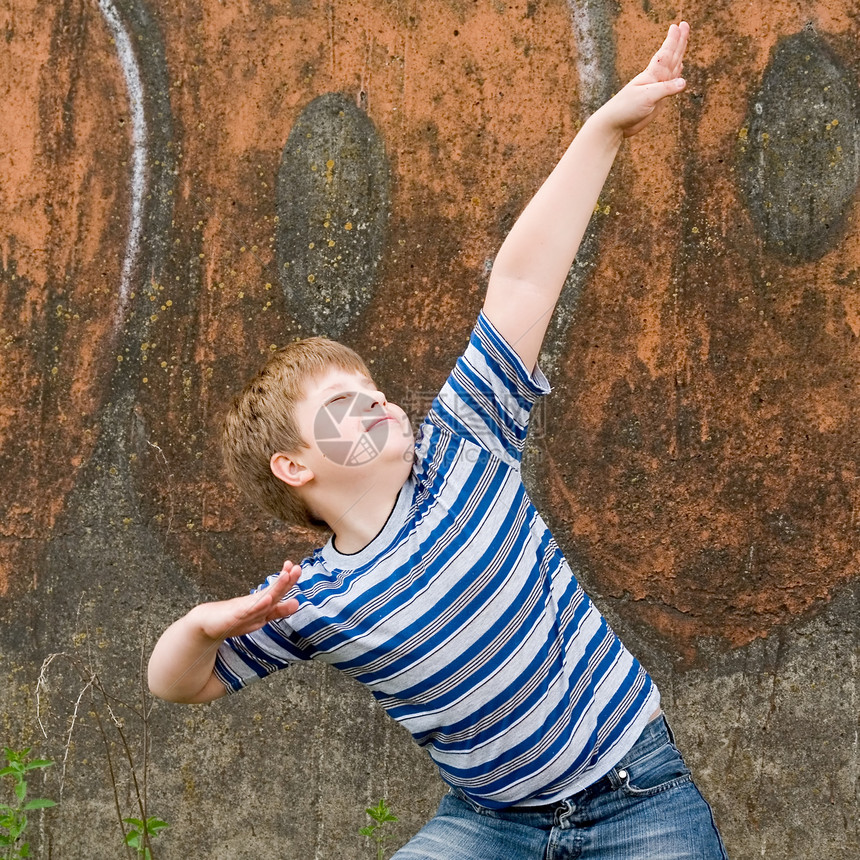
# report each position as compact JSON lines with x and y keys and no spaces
{"x":350,"y":428}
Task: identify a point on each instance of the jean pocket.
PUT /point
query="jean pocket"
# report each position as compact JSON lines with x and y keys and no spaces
{"x":660,"y":770}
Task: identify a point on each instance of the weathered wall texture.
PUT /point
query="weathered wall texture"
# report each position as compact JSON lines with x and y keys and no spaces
{"x":183,"y":185}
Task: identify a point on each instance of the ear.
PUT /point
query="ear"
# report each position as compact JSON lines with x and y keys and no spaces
{"x":289,"y":470}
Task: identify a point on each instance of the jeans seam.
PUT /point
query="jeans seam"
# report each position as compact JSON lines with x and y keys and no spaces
{"x":632,"y":791}
{"x":475,"y":807}
{"x":630,"y":764}
{"x":669,"y":732}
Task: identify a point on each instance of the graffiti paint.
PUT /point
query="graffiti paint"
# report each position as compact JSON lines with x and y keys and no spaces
{"x":800,"y":148}
{"x":332,"y":205}
{"x":134,"y":89}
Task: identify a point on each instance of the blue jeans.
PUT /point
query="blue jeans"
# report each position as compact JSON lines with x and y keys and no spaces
{"x":646,"y":808}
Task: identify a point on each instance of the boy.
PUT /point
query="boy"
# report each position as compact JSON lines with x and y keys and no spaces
{"x":441,"y":588}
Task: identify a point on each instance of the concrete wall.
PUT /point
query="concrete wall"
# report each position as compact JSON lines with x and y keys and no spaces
{"x":166,"y":168}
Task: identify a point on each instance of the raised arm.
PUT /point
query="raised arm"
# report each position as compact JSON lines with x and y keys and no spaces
{"x":182,"y":662}
{"x":532,"y":264}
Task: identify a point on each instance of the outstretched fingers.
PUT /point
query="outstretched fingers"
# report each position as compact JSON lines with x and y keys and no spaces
{"x":668,"y":62}
{"x":641,"y":99}
{"x":269,"y":603}
{"x":288,"y":577}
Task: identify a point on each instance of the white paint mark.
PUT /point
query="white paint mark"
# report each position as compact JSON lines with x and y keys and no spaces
{"x":588,"y":60}
{"x":157,"y":448}
{"x":134,"y":86}
{"x":748,"y":568}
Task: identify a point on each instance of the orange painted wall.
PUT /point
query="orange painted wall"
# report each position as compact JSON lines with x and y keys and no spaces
{"x":698,"y":455}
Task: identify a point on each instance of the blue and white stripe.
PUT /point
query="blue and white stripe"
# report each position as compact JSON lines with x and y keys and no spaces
{"x":462,"y":615}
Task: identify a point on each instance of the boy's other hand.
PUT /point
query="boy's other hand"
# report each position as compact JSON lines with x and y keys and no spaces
{"x":222,"y":619}
{"x":631,"y":109}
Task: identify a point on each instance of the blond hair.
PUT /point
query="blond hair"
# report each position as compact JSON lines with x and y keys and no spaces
{"x":261,"y":422}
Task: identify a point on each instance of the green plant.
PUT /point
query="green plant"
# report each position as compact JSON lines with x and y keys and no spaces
{"x":141,"y":832}
{"x":111,"y":716}
{"x":377,"y":830}
{"x":13,"y":819}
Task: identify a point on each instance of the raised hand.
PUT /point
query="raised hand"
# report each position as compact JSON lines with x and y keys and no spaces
{"x":224,"y":618}
{"x":636,"y":105}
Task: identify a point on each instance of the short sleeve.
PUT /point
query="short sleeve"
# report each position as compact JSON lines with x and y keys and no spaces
{"x":247,"y":658}
{"x":489,"y":395}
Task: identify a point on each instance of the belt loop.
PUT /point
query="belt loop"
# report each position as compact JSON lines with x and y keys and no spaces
{"x":565,"y":809}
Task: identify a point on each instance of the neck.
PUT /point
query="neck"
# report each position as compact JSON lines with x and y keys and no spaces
{"x":356,"y":515}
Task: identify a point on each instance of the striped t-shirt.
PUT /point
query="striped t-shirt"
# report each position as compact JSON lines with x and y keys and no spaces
{"x":462,"y":615}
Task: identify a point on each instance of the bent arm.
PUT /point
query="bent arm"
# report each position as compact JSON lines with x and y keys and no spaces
{"x":181,"y":668}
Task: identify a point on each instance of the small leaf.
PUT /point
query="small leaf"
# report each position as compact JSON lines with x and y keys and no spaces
{"x":16,"y":756}
{"x":38,"y":803}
